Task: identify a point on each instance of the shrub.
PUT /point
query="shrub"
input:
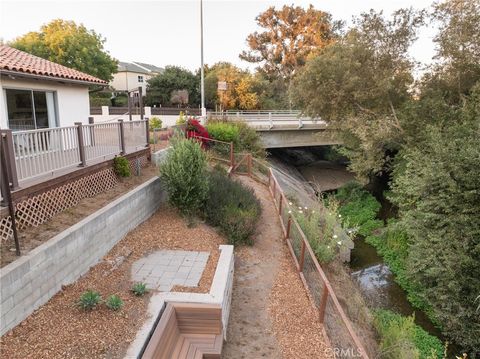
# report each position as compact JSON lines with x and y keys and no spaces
{"x":155,"y":123}
{"x":139,"y":289}
{"x":184,"y":174}
{"x":89,"y":300}
{"x":114,"y":302}
{"x":224,"y":131}
{"x":182,"y":119}
{"x":232,"y":207}
{"x":402,"y":338}
{"x":121,"y":166}
{"x":369,"y":227}
{"x":195,"y":129}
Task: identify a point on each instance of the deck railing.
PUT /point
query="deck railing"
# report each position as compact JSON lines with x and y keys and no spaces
{"x":34,"y":154}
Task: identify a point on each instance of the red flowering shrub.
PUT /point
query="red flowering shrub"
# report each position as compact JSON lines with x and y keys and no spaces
{"x":196,"y":130}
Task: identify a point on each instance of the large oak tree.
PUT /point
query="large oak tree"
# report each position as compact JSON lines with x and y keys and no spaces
{"x":291,"y":35}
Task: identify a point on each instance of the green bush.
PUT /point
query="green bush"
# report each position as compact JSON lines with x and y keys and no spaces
{"x":223,"y":131}
{"x":182,"y":119}
{"x":402,"y":338}
{"x":139,"y":289}
{"x":357,"y":205}
{"x":114,"y":302}
{"x":184,"y":174}
{"x":244,"y":137}
{"x":121,"y":166}
{"x":392,"y":245}
{"x":89,"y":300}
{"x":232,"y":207}
{"x":155,"y":123}
{"x":369,"y":227}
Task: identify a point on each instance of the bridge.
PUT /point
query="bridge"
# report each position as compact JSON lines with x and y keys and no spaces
{"x":283,"y":128}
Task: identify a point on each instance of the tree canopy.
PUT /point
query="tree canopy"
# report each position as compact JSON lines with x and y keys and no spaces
{"x":292,"y":34}
{"x":164,"y":88}
{"x":71,"y":45}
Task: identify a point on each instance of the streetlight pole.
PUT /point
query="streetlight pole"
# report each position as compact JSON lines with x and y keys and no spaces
{"x":202,"y":73}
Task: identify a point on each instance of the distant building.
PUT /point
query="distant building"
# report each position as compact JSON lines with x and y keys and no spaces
{"x":132,"y":75}
{"x":36,"y":93}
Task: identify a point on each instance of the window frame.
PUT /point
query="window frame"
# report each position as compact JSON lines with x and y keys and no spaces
{"x":32,"y":90}
{"x":140,"y":78}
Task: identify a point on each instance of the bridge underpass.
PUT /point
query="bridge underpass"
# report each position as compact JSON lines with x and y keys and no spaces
{"x":282,"y":129}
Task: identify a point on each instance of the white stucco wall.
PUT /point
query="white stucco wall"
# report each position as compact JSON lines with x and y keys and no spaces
{"x":122,"y":79}
{"x":72,"y":103}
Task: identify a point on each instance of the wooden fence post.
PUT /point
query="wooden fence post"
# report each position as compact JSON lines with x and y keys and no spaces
{"x":302,"y":257}
{"x":280,"y":201}
{"x":147,"y":127}
{"x":12,"y":175}
{"x":323,"y":303}
{"x":289,"y":226}
{"x":232,"y":155}
{"x":91,"y":121}
{"x":122,"y":137}
{"x":81,"y":145}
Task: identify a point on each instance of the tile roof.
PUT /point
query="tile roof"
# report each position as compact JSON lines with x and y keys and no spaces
{"x":22,"y":62}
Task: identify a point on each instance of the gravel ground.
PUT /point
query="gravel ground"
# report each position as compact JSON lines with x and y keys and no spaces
{"x":271,"y":314}
{"x":295,"y":321}
{"x":59,"y":329}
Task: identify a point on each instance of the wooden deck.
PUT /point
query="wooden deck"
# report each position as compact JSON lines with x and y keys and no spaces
{"x":187,"y":330}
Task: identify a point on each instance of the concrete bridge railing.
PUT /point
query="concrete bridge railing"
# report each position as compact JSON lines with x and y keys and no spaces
{"x":270,"y":120}
{"x":283,"y":128}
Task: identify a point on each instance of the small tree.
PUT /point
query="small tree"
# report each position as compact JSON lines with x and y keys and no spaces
{"x":185,"y":175}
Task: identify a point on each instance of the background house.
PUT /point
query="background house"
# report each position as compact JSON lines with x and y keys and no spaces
{"x":37,"y":93}
{"x":132,"y":75}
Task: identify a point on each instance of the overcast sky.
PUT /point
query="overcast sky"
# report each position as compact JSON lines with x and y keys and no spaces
{"x":167,"y":32}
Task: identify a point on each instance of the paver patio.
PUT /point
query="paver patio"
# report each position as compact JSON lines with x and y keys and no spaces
{"x":164,"y":269}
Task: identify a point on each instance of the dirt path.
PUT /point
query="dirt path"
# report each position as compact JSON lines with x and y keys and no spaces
{"x":250,"y":332}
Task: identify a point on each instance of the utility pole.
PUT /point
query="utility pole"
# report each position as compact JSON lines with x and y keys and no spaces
{"x":202,"y":73}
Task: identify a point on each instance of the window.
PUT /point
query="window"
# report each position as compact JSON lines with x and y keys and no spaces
{"x":140,"y":78}
{"x":29,"y":109}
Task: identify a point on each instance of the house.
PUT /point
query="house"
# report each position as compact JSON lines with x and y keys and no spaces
{"x":36,"y":93}
{"x":132,"y":75}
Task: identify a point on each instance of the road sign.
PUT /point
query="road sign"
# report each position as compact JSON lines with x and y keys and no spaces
{"x":222,"y":86}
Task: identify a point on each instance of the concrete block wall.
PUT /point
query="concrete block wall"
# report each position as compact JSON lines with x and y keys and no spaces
{"x":33,"y":279}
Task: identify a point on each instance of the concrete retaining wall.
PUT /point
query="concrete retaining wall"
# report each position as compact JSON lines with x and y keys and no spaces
{"x":33,"y":279}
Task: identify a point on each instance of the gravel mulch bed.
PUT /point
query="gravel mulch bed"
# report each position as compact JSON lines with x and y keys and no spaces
{"x":59,"y":329}
{"x":295,"y":321}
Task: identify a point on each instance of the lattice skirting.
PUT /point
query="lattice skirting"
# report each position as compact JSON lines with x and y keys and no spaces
{"x":40,"y":208}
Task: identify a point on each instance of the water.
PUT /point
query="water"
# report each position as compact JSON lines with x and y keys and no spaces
{"x":378,"y":286}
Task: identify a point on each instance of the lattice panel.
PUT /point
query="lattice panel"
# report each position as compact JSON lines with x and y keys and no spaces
{"x":40,"y":208}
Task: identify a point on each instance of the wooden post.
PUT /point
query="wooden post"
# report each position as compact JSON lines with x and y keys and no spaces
{"x":147,"y":127}
{"x":6,"y":191}
{"x":302,"y":257}
{"x":140,"y":102}
{"x":323,"y":303}
{"x":280,"y":201}
{"x":81,"y":145}
{"x":232,"y":155}
{"x":122,"y":137}
{"x":289,"y":226}
{"x":8,"y":147}
{"x":129,"y":102}
{"x":249,"y":164}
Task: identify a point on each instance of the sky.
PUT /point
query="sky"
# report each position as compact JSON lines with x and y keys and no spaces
{"x":168,"y":32}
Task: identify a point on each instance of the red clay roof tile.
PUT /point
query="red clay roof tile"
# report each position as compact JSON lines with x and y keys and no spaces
{"x":19,"y":61}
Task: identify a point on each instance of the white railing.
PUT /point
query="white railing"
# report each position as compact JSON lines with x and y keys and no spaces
{"x":46,"y":152}
{"x":43,"y":151}
{"x":101,"y":140}
{"x":275,"y":119}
